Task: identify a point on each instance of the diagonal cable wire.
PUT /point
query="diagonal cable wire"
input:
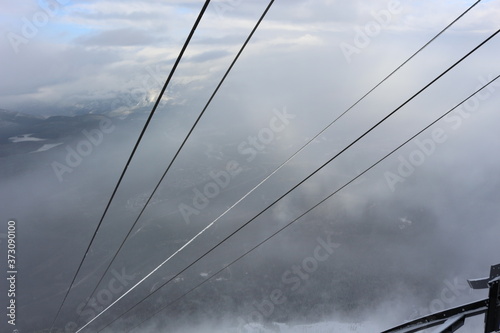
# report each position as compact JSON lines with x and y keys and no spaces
{"x":172,"y":71}
{"x":342,"y":114}
{"x":292,"y":156}
{"x":313,"y":207}
{"x":186,"y":139}
{"x":298,"y":151}
{"x":181,"y":146}
{"x":285,"y":194}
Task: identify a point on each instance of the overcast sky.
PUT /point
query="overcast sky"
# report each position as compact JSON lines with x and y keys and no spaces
{"x":78,"y":53}
{"x":308,"y":62}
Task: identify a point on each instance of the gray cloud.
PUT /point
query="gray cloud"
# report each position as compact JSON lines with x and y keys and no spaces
{"x":397,"y":249}
{"x":120,"y":37}
{"x":210,"y":55}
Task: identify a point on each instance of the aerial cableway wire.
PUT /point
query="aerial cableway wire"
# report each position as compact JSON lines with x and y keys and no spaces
{"x":293,"y":155}
{"x":331,"y":123}
{"x":313,"y":207}
{"x":289,"y":191}
{"x":172,"y":71}
{"x":182,"y":145}
{"x":184,"y":142}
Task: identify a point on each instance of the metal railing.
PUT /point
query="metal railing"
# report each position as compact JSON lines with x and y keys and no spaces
{"x":449,"y":321}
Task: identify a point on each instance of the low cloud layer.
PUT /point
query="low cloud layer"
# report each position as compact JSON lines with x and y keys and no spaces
{"x":404,"y":234}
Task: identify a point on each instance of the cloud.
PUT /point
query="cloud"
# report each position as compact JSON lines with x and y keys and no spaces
{"x":116,"y":55}
{"x":209,"y":55}
{"x":119,"y":37}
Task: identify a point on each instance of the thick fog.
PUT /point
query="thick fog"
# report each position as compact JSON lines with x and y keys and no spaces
{"x":397,"y":243}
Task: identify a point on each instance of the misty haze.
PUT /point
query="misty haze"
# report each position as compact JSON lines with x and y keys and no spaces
{"x":319,"y":186}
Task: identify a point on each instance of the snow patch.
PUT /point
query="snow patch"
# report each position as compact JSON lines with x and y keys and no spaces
{"x":23,"y":138}
{"x":46,"y":147}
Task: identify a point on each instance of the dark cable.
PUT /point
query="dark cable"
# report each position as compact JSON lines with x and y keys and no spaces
{"x":186,"y":43}
{"x":298,"y":151}
{"x":305,"y":179}
{"x":292,"y":156}
{"x":335,"y":120}
{"x":184,"y":142}
{"x":313,"y":207}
